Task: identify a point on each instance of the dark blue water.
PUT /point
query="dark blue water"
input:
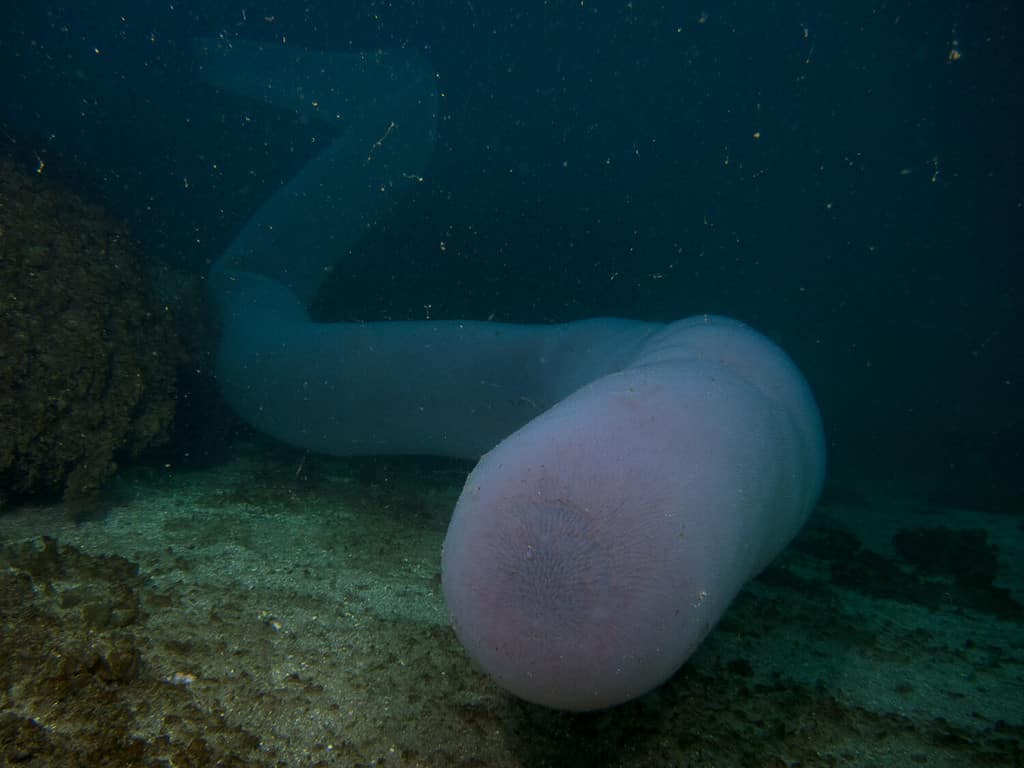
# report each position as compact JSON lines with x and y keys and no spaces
{"x":846,"y":179}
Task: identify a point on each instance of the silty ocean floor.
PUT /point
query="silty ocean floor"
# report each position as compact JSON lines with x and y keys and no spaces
{"x":286,"y":610}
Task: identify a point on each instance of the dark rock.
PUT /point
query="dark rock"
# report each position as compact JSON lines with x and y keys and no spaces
{"x":87,"y":358}
{"x":966,"y":556}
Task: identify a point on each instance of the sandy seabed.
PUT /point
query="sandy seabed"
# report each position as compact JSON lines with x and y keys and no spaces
{"x":286,"y":610}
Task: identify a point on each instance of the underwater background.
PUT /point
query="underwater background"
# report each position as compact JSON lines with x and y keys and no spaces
{"x":178,"y":589}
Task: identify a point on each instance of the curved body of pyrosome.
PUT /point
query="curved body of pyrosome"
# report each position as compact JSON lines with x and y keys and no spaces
{"x":633,"y":475}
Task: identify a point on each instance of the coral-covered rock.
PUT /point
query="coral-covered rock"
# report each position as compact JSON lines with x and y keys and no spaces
{"x":87,"y":358}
